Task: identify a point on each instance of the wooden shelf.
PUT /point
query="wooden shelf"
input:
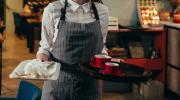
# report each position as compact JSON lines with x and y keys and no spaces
{"x":148,"y":30}
{"x":151,"y":64}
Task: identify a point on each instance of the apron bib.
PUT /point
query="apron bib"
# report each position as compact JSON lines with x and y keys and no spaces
{"x":75,"y":42}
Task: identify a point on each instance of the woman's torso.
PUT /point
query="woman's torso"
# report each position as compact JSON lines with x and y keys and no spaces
{"x":75,"y":13}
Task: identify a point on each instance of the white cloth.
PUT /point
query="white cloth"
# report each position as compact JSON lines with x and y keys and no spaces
{"x":74,"y":13}
{"x":36,"y":67}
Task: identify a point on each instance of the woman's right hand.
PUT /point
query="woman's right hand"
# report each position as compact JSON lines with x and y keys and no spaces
{"x":42,"y":57}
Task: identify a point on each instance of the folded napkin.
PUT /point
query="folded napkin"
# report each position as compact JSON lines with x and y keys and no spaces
{"x":36,"y":68}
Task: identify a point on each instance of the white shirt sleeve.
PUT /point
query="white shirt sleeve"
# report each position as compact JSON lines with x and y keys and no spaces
{"x":104,"y":29}
{"x":47,"y":31}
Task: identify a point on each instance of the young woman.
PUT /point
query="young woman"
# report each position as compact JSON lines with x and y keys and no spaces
{"x":73,"y":31}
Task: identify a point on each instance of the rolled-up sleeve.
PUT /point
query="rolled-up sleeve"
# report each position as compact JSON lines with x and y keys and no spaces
{"x":104,"y":29}
{"x":47,"y":31}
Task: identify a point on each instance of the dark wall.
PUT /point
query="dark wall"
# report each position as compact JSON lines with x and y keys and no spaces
{"x":2,"y":10}
{"x":25,"y":2}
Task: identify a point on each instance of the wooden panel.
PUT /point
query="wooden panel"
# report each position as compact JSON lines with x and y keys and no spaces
{"x":116,"y":50}
{"x":160,"y":42}
{"x":148,"y":30}
{"x":151,"y":64}
{"x":118,"y":54}
{"x":173,"y":50}
{"x":173,"y":81}
{"x":120,"y":58}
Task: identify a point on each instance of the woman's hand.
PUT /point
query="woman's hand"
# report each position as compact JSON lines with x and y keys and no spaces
{"x":42,"y":57}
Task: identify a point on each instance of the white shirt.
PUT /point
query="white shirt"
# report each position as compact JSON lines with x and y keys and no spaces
{"x":74,"y":13}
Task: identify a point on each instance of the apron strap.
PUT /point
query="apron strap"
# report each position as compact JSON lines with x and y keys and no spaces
{"x":63,"y":12}
{"x":95,"y":11}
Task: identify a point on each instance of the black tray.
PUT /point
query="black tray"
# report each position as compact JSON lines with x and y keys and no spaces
{"x":132,"y":73}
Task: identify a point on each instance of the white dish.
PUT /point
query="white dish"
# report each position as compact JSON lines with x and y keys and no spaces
{"x":20,"y":70}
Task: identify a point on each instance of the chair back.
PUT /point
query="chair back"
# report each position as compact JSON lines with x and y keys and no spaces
{"x":17,"y":20}
{"x":28,"y":91}
{"x":14,"y":17}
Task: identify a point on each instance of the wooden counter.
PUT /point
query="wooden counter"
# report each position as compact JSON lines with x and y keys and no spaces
{"x":21,"y":14}
{"x":33,"y":21}
{"x":127,"y":30}
{"x":170,"y":24}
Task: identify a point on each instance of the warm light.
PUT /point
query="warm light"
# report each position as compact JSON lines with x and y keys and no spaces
{"x":24,"y":76}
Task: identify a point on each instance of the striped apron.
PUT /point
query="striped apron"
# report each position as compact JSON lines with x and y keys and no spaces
{"x":75,"y":42}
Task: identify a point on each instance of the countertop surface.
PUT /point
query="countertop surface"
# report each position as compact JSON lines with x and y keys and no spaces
{"x":128,"y":30}
{"x":34,"y":21}
{"x":21,"y":14}
{"x":170,"y":23}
